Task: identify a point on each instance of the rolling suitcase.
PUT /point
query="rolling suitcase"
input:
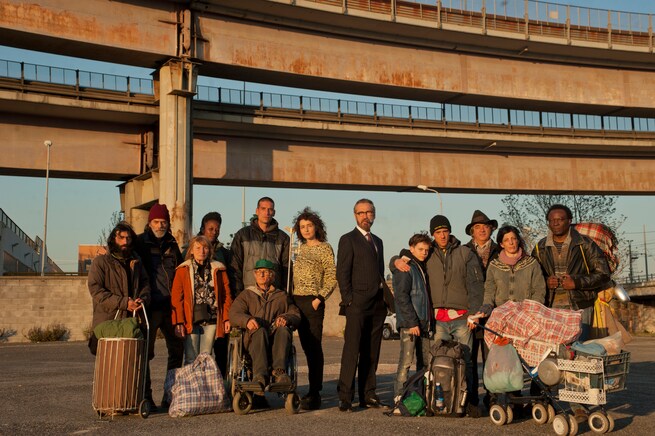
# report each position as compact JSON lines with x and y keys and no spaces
{"x":119,"y":375}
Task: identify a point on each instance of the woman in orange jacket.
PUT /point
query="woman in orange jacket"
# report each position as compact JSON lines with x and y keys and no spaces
{"x":200,"y":300}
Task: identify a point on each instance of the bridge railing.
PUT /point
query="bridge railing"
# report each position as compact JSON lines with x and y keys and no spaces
{"x":526,"y":17}
{"x":437,"y":112}
{"x":11,"y":225}
{"x":75,"y":78}
{"x":79,"y":81}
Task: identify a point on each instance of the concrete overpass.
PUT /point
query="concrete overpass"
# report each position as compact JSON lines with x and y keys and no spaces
{"x":385,"y":48}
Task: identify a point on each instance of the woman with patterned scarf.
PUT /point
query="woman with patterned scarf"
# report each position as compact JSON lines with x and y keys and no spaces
{"x":201,"y":300}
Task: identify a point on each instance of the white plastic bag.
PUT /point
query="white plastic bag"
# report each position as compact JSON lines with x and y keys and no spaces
{"x":502,"y":371}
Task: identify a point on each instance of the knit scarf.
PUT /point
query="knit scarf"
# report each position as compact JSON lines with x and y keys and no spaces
{"x":511,"y":261}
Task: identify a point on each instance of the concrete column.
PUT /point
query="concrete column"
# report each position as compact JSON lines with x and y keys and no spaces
{"x":177,"y":84}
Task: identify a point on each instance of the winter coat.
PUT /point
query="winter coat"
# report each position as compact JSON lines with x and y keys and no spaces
{"x":494,"y":251}
{"x":455,"y":277}
{"x":522,"y":281}
{"x":108,"y":287}
{"x":251,"y":244}
{"x":252,"y":303}
{"x":413,"y":307}
{"x":183,"y":296}
{"x":587,"y":266}
{"x":160,"y":258}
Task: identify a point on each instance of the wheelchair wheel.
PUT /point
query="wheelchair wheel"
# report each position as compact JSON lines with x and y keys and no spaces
{"x":233,"y":364}
{"x":292,"y":367}
{"x":242,"y":403}
{"x":292,"y":403}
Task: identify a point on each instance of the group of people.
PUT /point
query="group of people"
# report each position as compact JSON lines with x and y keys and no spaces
{"x":196,"y":298}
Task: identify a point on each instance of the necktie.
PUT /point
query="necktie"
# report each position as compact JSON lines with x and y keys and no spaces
{"x":369,"y":238}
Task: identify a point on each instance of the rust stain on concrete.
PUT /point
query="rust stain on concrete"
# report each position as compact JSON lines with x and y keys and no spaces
{"x":78,"y":26}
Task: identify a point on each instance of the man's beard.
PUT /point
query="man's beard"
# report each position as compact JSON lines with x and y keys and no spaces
{"x":159,"y":233}
{"x":125,"y":251}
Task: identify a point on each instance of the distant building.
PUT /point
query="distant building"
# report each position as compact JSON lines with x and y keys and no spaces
{"x":85,"y":255}
{"x":18,"y":252}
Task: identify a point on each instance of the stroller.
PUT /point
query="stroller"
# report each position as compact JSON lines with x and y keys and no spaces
{"x":541,"y":337}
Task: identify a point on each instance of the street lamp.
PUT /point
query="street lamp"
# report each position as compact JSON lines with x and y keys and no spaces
{"x":425,"y":188}
{"x":47,"y":144}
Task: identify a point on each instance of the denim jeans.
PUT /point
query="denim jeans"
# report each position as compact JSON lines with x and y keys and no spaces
{"x":201,"y":340}
{"x":458,"y":331}
{"x":410,"y":346}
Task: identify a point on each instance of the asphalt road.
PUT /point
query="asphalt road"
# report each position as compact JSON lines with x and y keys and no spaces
{"x":46,"y":389}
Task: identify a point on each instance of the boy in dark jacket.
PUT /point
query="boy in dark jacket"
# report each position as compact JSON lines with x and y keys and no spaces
{"x":413,"y":310}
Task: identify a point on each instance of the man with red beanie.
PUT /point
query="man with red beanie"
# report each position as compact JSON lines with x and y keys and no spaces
{"x":160,"y":255}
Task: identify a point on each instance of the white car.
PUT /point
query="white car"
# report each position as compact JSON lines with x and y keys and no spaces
{"x":389,"y":330}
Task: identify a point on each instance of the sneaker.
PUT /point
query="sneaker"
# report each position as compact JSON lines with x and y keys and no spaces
{"x":472,"y":411}
{"x":281,"y":376}
{"x":310,"y":402}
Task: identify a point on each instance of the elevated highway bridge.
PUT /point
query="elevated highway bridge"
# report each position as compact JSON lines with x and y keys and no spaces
{"x":550,"y":101}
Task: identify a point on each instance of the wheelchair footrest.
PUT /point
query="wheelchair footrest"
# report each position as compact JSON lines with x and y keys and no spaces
{"x":249,"y":386}
{"x":280,"y":387}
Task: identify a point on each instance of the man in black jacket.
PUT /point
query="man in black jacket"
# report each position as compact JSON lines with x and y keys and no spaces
{"x":575,"y":270}
{"x":360,"y":267}
{"x":160,"y":255}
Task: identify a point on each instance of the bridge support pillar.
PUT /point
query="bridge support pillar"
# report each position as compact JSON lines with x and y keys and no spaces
{"x":172,"y":182}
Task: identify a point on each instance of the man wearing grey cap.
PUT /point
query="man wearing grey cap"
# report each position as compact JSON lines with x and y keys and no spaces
{"x":456,"y":290}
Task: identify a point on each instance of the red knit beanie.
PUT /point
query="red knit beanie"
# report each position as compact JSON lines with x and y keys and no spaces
{"x":159,"y":212}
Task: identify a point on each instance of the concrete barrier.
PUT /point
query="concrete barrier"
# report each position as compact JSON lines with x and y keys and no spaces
{"x":27,"y":302}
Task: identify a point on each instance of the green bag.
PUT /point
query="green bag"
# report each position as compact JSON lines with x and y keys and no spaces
{"x":415,"y":404}
{"x":119,"y":328}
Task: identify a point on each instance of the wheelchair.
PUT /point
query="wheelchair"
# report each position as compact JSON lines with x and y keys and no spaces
{"x":239,"y":377}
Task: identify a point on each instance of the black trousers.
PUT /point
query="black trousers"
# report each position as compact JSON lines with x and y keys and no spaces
{"x":361,"y":348}
{"x":479,"y":347}
{"x":160,"y":319}
{"x":220,"y":353}
{"x":310,"y":332}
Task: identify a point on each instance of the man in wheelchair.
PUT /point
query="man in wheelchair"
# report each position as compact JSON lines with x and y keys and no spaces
{"x":268,"y":315}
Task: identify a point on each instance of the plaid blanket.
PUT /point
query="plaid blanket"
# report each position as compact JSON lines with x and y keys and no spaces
{"x":604,"y":237}
{"x":530,"y":320}
{"x":196,"y":389}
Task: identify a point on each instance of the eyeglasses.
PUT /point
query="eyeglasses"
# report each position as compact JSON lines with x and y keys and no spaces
{"x":369,"y":212}
{"x":263,"y":271}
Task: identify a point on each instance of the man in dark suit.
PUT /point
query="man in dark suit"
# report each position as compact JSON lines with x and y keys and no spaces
{"x":360,"y":268}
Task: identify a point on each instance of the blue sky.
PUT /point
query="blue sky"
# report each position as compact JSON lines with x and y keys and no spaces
{"x":80,"y":209}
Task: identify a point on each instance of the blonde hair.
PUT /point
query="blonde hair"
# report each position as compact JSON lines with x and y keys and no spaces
{"x":202,"y":240}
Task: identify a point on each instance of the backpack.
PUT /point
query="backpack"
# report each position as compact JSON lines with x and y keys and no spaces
{"x":448,"y":368}
{"x":412,"y":399}
{"x":606,"y":240}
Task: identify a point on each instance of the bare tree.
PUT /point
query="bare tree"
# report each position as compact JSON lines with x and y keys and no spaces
{"x":116,"y":217}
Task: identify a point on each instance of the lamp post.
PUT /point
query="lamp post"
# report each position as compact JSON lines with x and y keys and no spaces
{"x":425,"y":188}
{"x":47,"y":144}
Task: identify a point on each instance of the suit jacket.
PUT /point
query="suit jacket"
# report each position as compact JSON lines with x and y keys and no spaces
{"x":359,"y":269}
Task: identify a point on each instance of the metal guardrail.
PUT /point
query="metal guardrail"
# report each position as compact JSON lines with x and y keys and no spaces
{"x":524,"y":17}
{"x":80,"y":82}
{"x":11,"y":225}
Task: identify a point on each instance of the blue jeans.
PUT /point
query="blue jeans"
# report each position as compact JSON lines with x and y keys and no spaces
{"x":458,"y":331}
{"x":201,"y":340}
{"x":410,"y":345}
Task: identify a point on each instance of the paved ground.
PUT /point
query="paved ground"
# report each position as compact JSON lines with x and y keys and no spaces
{"x":46,"y":389}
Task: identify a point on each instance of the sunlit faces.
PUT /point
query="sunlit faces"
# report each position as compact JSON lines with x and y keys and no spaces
{"x":420,"y":251}
{"x":264,"y":277}
{"x":481,"y":233}
{"x":558,"y":222}
{"x":510,"y":243}
{"x":441,"y":237}
{"x":265,"y":212}
{"x":211,"y":230}
{"x":307,"y":230}
{"x":365,"y":215}
{"x":123,"y":241}
{"x":200,"y":252}
{"x":159,"y":227}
